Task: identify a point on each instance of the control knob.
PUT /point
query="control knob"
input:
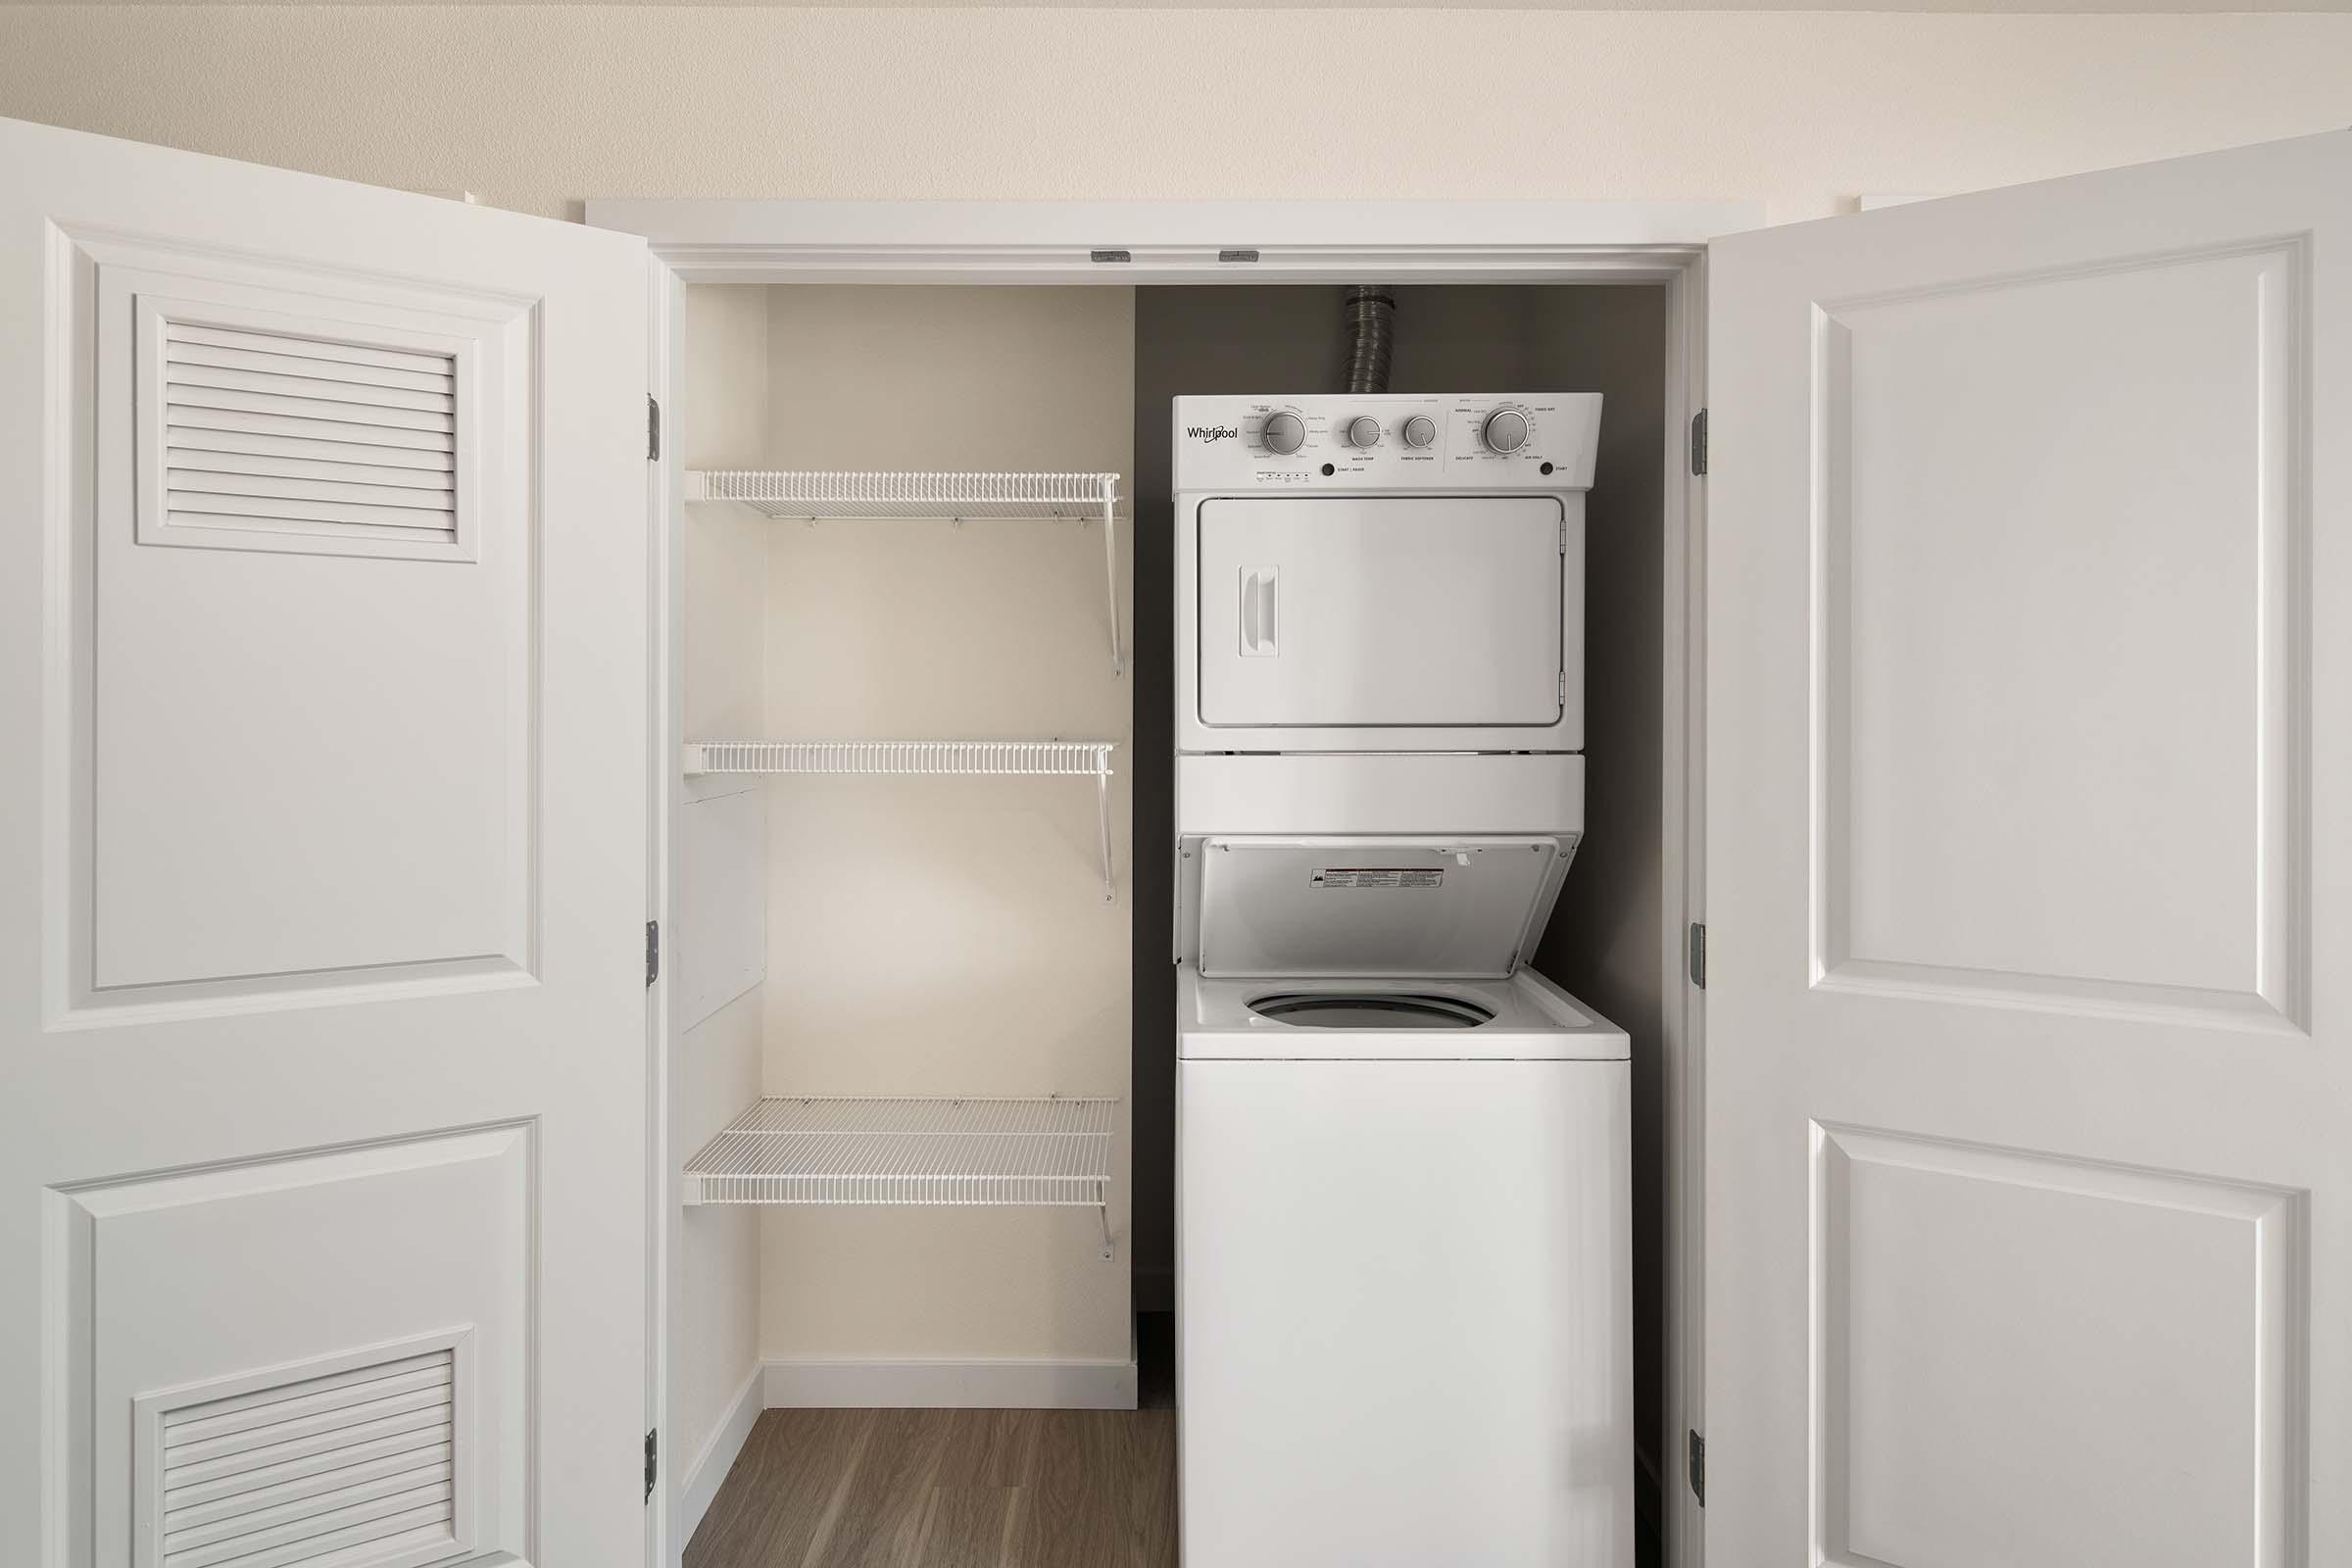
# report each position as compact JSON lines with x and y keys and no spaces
{"x":1363,"y":432}
{"x":1505,"y":431}
{"x":1284,"y":433}
{"x":1420,"y":430}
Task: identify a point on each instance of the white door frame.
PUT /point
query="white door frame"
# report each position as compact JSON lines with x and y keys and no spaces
{"x":1131,"y":243}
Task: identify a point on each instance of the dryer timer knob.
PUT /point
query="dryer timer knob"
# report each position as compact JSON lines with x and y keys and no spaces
{"x":1505,"y":430}
{"x":1284,"y":433}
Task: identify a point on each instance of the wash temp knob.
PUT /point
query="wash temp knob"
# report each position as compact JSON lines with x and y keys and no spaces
{"x":1363,"y":432}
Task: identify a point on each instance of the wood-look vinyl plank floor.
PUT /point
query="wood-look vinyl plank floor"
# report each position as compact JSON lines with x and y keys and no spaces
{"x":947,"y":1489}
{"x":778,"y":1501}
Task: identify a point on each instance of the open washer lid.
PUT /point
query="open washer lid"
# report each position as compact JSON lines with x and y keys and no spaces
{"x":1431,"y":909}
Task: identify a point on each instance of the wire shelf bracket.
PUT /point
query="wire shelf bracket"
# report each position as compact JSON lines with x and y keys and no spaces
{"x":814,"y":496}
{"x":1051,"y":1152}
{"x":1056,"y":759}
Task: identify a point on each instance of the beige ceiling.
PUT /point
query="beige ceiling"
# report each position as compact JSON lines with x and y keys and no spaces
{"x":1979,"y":6}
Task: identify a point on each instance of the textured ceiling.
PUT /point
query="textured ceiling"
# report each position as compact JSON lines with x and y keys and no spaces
{"x":2012,"y":7}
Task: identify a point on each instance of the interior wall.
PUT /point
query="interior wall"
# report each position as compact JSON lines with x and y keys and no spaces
{"x":1602,"y":942}
{"x":539,"y":107}
{"x":933,"y":936}
{"x":715,"y":1065}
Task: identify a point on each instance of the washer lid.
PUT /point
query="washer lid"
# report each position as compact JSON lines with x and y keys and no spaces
{"x":1409,"y":908}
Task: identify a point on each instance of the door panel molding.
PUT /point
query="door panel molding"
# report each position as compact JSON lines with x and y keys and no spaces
{"x":2091,"y":929}
{"x":242,"y":691}
{"x":422,"y":1226}
{"x":1919,"y":1247}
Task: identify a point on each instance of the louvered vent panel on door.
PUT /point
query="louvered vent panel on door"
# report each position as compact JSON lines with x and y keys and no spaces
{"x":355,"y":1469}
{"x":281,"y":433}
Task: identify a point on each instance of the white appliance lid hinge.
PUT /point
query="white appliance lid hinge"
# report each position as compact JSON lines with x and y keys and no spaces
{"x":1699,"y":955}
{"x":653,"y":1462}
{"x":1563,"y":687}
{"x":1696,"y":1466}
{"x":653,"y":428}
{"x":653,"y":950}
{"x":1698,"y":443}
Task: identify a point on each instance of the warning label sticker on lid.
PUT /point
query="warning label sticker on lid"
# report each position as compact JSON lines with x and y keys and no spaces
{"x":1378,"y":876}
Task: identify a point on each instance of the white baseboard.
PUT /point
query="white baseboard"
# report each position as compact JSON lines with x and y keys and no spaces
{"x":951,"y":1385}
{"x":699,"y":1482}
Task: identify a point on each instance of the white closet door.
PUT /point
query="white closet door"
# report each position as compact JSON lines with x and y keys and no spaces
{"x":323,"y":814}
{"x":2030,"y":883}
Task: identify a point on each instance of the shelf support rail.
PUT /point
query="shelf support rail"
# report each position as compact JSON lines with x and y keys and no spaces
{"x":1111,"y":887}
{"x":1110,"y":573}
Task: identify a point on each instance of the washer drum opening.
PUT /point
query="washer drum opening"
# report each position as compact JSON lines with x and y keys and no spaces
{"x":1369,"y":1009}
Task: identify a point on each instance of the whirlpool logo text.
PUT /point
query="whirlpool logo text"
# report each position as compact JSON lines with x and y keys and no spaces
{"x":1211,"y":432}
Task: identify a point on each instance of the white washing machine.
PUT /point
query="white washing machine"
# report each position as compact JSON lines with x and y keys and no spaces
{"x":1404,"y":1250}
{"x":1403,"y":1245}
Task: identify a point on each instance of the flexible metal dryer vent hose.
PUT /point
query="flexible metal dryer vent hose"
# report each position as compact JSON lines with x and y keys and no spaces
{"x":1371,"y":314}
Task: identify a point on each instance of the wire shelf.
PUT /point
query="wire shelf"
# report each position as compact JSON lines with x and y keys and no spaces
{"x":1075,"y":758}
{"x":837,"y":1149}
{"x":814,"y":495}
{"x":811,"y":496}
{"x":1031,"y":759}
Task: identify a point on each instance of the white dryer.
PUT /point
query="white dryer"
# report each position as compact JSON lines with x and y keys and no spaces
{"x":1403,"y":1233}
{"x":1367,"y":573}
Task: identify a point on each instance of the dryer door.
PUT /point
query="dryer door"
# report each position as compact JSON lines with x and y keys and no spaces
{"x":1419,"y":612}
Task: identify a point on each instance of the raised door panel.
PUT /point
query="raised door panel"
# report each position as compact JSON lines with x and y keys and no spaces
{"x":2027,"y":1359}
{"x":342,"y":1352}
{"x":304,"y":619}
{"x":2060,"y":666}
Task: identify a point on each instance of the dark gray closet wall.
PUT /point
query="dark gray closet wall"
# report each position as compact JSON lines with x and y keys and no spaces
{"x":1604,"y":941}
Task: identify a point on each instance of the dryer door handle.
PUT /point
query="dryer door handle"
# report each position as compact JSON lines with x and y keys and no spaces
{"x":1260,"y":601}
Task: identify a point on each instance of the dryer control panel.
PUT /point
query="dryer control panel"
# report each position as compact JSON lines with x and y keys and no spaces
{"x":1392,"y":441}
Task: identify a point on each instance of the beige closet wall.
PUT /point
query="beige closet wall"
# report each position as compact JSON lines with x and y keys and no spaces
{"x":926,"y":935}
{"x":714,"y":1285}
{"x":538,"y":107}
{"x":944,"y":934}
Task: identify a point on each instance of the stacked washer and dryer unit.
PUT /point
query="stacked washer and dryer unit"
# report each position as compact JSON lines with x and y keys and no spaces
{"x":1402,"y":1167}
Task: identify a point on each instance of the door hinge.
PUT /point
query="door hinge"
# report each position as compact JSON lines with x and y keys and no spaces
{"x":653,"y":1462}
{"x":1563,"y":687}
{"x":653,"y":950}
{"x":1698,"y":1468}
{"x":1698,"y":442}
{"x":1698,"y":955}
{"x":653,"y":428}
